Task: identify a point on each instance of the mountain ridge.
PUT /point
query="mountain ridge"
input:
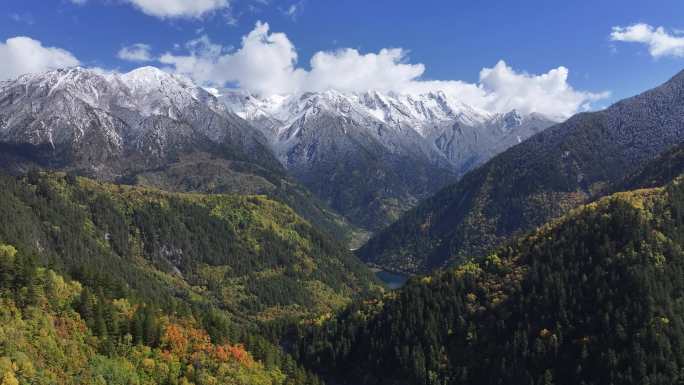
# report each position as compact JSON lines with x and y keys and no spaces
{"x":566,"y":165}
{"x":368,"y":156}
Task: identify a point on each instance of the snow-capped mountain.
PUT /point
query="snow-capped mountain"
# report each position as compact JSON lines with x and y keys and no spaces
{"x":445,"y":129}
{"x":370,"y":156}
{"x":112,"y":124}
{"x":373,"y":155}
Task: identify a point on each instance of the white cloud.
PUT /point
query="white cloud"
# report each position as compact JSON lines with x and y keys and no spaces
{"x":22,"y":55}
{"x":349,"y":70}
{"x":548,"y":93}
{"x":179,"y":8}
{"x":266,"y":63}
{"x":231,"y":19}
{"x":659,"y":41}
{"x":502,"y":89}
{"x":137,"y":53}
{"x":79,"y":2}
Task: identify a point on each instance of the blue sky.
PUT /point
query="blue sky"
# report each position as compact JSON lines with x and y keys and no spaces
{"x":454,"y":40}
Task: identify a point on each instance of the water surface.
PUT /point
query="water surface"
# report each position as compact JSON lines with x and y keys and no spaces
{"x":393,"y":280}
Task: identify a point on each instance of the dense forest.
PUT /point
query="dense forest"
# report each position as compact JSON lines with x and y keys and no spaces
{"x":596,"y":297}
{"x":248,"y":254}
{"x":57,"y":331}
{"x":220,"y":272}
{"x":211,"y":174}
{"x":115,"y":284}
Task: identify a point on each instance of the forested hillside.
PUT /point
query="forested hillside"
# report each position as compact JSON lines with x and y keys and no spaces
{"x":211,"y":174}
{"x":595,"y":297}
{"x":540,"y":179}
{"x":58,"y":331}
{"x":248,"y":255}
{"x":125,"y":285}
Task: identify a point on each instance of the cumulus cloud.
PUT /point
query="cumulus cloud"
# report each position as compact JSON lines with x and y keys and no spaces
{"x":549,"y":93}
{"x":659,"y":41}
{"x":22,"y":55}
{"x":349,"y":70}
{"x":502,"y":89}
{"x":136,"y":53}
{"x":179,"y":8}
{"x":266,"y":63}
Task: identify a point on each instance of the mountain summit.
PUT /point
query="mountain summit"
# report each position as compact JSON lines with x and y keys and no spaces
{"x":110,"y":125}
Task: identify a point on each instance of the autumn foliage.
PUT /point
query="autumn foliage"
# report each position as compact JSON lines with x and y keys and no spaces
{"x":188,"y":341}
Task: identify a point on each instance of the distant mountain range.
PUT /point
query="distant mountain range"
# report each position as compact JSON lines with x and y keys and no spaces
{"x":542,"y":178}
{"x":373,"y":155}
{"x":112,"y":126}
{"x":370,"y":156}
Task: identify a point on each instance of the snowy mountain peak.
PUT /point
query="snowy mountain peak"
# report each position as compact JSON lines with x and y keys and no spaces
{"x":435,"y":124}
{"x":146,"y":107}
{"x":88,"y":84}
{"x":512,"y":119}
{"x":422,"y":113}
{"x":53,"y":76}
{"x":147,"y":72}
{"x":140,"y":88}
{"x":150,"y":78}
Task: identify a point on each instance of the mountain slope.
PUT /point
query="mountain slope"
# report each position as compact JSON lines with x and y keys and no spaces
{"x":666,"y":167}
{"x":58,"y":331}
{"x":592,"y":298}
{"x":542,"y":178}
{"x":145,"y":127}
{"x":247,"y":255}
{"x":101,"y":123}
{"x":371,"y":156}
